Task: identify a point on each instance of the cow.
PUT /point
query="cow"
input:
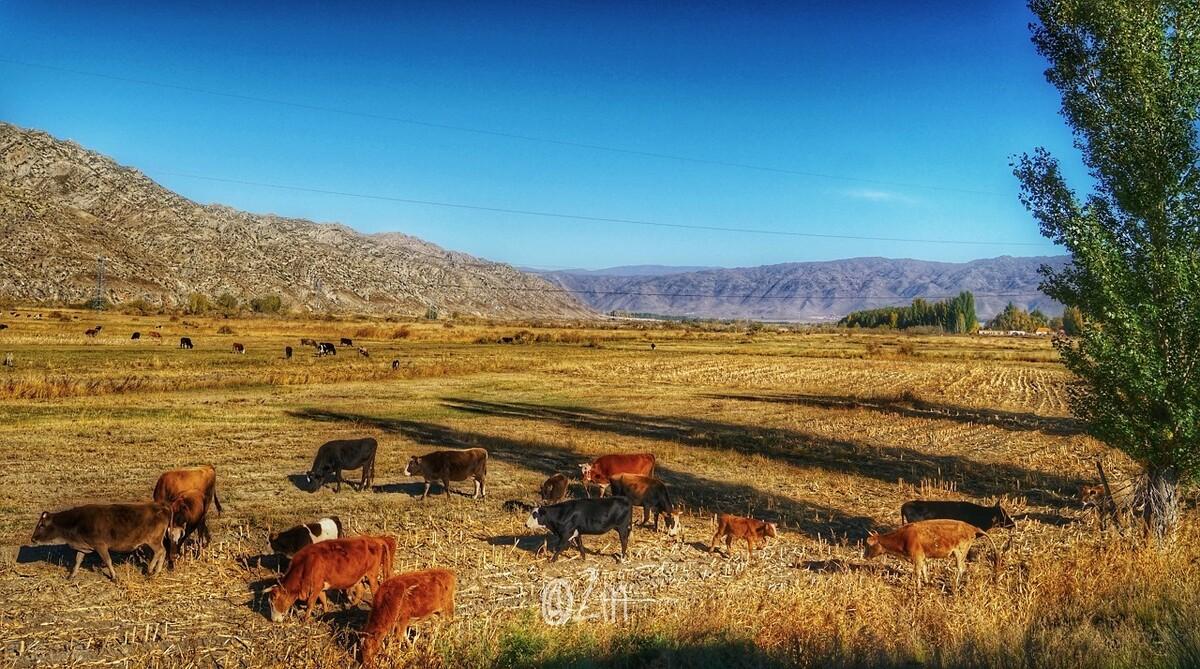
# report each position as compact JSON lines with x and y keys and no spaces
{"x":364,"y":352}
{"x":574,"y":518}
{"x":185,"y":342}
{"x":401,"y":599}
{"x":190,"y":493}
{"x":732,"y":527}
{"x":395,"y":365}
{"x":3,"y":326}
{"x":91,"y":332}
{"x":554,"y":489}
{"x":109,"y":527}
{"x":447,"y":466}
{"x":240,"y":349}
{"x":334,"y":456}
{"x":650,"y":494}
{"x":155,"y":335}
{"x":305,"y":341}
{"x":337,"y":564}
{"x":652,"y":346}
{"x":289,"y":541}
{"x":983,"y":517}
{"x":8,"y":360}
{"x":602,"y":468}
{"x":930,"y":539}
{"x":346,"y":341}
{"x":326,"y":348}
{"x":287,"y":352}
{"x":136,"y":336}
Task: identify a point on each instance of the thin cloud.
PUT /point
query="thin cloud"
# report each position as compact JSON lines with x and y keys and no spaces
{"x":880,"y":196}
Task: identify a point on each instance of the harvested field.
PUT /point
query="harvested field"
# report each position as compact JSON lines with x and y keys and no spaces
{"x":825,"y":434}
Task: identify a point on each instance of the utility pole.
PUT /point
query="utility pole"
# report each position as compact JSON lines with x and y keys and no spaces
{"x":98,"y":298}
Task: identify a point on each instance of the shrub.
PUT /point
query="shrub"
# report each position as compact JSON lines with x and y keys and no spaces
{"x":402,"y":332}
{"x":225,"y":330}
{"x":267,"y":304}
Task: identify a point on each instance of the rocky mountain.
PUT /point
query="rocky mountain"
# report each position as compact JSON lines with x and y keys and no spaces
{"x":62,"y":206}
{"x":815,"y":291}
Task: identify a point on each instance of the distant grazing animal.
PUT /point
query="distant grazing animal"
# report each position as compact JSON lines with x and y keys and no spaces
{"x":239,"y":348}
{"x":402,"y":599}
{"x":8,"y":360}
{"x":158,"y":327}
{"x":930,"y":539}
{"x":326,"y":348}
{"x":339,"y":454}
{"x":307,"y":342}
{"x":652,"y":346}
{"x":602,"y":468}
{"x":3,"y":326}
{"x":135,"y":336}
{"x":108,"y":527}
{"x":190,"y":493}
{"x":185,"y":342}
{"x":364,"y":352}
{"x":287,"y":352}
{"x":346,"y":341}
{"x":570,"y":520}
{"x":506,"y":340}
{"x":554,"y":489}
{"x":92,"y":332}
{"x":395,"y":365}
{"x":732,"y":527}
{"x":650,"y":494}
{"x":983,"y":517}
{"x":288,"y":542}
{"x":337,"y":564}
{"x":447,"y":466}
{"x":155,"y":335}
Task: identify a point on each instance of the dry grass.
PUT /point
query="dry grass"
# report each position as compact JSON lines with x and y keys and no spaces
{"x":825,"y":433}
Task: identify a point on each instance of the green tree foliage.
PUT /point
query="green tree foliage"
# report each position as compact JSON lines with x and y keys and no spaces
{"x":1013,"y":317}
{"x":198,"y":303}
{"x":954,"y":315}
{"x":431,"y":313}
{"x":267,"y":304}
{"x":1072,"y":321}
{"x":1129,"y":76}
{"x":227,"y":302}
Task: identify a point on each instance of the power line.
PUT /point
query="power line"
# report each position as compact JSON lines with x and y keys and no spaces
{"x":500,"y":133}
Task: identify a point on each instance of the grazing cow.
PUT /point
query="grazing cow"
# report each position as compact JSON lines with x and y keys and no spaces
{"x":346,"y":341}
{"x":334,"y":456}
{"x":735,"y":527}
{"x":364,"y":352}
{"x":447,"y":466}
{"x":239,"y":349}
{"x":92,"y":332}
{"x":136,"y":336}
{"x":185,"y":342}
{"x":650,"y":494}
{"x":574,"y":518}
{"x":602,"y":468}
{"x":326,"y":348}
{"x":337,"y":564}
{"x":190,"y":493}
{"x":155,"y":335}
{"x":288,"y":542}
{"x":983,"y":517}
{"x":308,"y":342}
{"x":395,"y":365}
{"x":554,"y":490}
{"x":400,"y":600}
{"x":8,"y":360}
{"x":3,"y":326}
{"x":105,"y":527}
{"x":930,"y":539}
{"x":652,"y":346}
{"x":287,"y":352}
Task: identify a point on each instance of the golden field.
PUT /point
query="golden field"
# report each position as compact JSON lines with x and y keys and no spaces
{"x":826,"y":433}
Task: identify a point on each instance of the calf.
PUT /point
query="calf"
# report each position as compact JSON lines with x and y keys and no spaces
{"x":364,"y":352}
{"x":288,"y":542}
{"x":287,"y":352}
{"x":395,"y":365}
{"x":604,"y":467}
{"x":402,"y":599}
{"x":334,"y":456}
{"x":346,"y":341}
{"x":105,"y":527}
{"x":92,"y":332}
{"x":650,"y":494}
{"x":732,"y":527}
{"x":239,"y":348}
{"x":305,"y":341}
{"x":337,"y":564}
{"x":190,"y":493}
{"x":572,"y":519}
{"x":983,"y":517}
{"x":554,"y":490}
{"x":326,"y":348}
{"x":3,"y":326}
{"x":155,"y":335}
{"x":136,"y":336}
{"x":185,"y":342}
{"x":930,"y":539}
{"x":447,"y":466}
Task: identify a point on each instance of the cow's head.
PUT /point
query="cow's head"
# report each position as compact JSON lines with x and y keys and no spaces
{"x":585,"y":472}
{"x":413,"y":467}
{"x":280,"y":602}
{"x":1090,"y":494}
{"x":1000,"y":517}
{"x":45,"y":532}
{"x":873,"y":548}
{"x":769,"y":530}
{"x":675,"y":524}
{"x":534,"y":521}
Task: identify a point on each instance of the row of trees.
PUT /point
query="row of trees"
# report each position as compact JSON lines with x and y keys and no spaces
{"x":198,"y":303}
{"x":956,"y":314}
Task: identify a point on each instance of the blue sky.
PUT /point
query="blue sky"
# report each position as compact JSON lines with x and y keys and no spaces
{"x":918,"y":107}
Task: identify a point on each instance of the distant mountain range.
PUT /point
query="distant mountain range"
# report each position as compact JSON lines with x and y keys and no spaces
{"x":810,"y":291}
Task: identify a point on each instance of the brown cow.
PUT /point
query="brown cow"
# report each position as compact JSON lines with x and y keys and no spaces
{"x":105,"y":527}
{"x":239,"y":348}
{"x":554,"y":489}
{"x":155,"y":335}
{"x":930,"y":539}
{"x":650,"y":494}
{"x":447,"y":466}
{"x":402,"y":599}
{"x":602,"y":468}
{"x":190,"y":493}
{"x":735,"y":527}
{"x":337,"y":564}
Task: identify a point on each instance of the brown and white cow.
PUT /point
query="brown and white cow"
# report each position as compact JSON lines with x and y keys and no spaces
{"x":600,"y":470}
{"x":402,"y":599}
{"x":337,"y":564}
{"x":447,"y":466}
{"x":732,"y":527}
{"x":190,"y":493}
{"x":108,"y":527}
{"x":239,"y":349}
{"x":924,"y":539}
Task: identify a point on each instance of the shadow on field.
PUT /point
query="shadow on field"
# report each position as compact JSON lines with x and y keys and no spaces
{"x":64,"y":556}
{"x":302,"y":483}
{"x":653,"y":650}
{"x":530,"y":543}
{"x":697,"y":493}
{"x":413,"y":489}
{"x":912,"y":407}
{"x":884,"y":463}
{"x":346,"y":624}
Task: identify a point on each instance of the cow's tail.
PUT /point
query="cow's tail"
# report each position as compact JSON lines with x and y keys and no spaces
{"x":995,"y":553}
{"x":653,"y":464}
{"x":217,"y":500}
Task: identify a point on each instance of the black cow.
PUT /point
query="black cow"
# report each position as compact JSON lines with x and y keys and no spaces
{"x":572,"y":519}
{"x":346,"y":341}
{"x":326,"y":348}
{"x":287,"y":352}
{"x":983,"y":517}
{"x":105,"y":527}
{"x":288,"y":542}
{"x":651,"y":494}
{"x":395,"y":365}
{"x":447,"y":466}
{"x":334,"y":456}
{"x":136,"y":336}
{"x":185,"y":342}
{"x":3,"y":326}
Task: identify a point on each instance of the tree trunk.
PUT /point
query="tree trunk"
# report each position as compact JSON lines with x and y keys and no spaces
{"x":1157,"y":498}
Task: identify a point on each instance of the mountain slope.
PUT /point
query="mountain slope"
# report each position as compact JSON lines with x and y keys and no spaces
{"x":62,"y":206}
{"x":816,"y":291}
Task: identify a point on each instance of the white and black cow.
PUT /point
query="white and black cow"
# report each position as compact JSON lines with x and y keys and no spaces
{"x":570,"y":520}
{"x":288,"y":542}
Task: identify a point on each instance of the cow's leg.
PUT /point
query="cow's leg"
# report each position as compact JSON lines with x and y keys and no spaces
{"x":560,"y":543}
{"x":624,"y":534}
{"x":645,"y":515}
{"x":579,"y":543}
{"x":750,"y":546}
{"x":657,"y":513}
{"x":713,"y":544}
{"x":337,"y":481}
{"x":961,"y":558}
{"x":78,"y":561}
{"x":918,"y":570}
{"x":205,"y":535}
{"x":103,"y":552}
{"x":426,"y":493}
{"x":156,"y":559}
{"x":446,"y":486}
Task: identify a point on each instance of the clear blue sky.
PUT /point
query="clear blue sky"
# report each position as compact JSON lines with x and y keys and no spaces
{"x":937,"y":95}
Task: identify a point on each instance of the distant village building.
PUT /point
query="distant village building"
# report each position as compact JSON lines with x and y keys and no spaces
{"x":1043,"y":332}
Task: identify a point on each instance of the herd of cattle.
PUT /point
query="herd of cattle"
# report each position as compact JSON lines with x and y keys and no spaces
{"x":320,"y":557}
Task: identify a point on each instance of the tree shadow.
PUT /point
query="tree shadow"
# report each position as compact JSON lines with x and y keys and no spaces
{"x":881,"y":462}
{"x":1054,"y":519}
